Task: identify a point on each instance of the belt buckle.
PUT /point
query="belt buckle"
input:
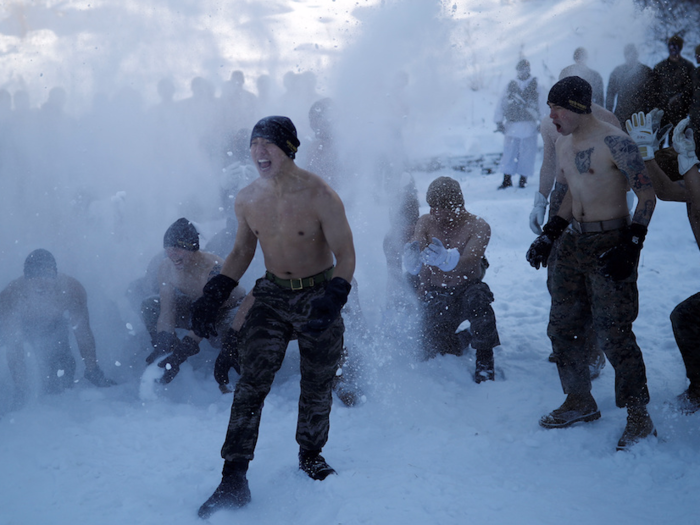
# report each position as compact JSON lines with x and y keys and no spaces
{"x":292,"y":282}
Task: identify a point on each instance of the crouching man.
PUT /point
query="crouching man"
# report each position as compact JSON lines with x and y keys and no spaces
{"x":301,"y":225}
{"x":181,"y":277}
{"x":447,"y":251}
{"x":41,"y":308}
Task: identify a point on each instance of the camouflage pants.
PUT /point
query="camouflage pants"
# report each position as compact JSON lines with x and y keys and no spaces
{"x":686,"y":329}
{"x":580,"y":290}
{"x":592,"y":350}
{"x":277,"y":316}
{"x":444,"y":309}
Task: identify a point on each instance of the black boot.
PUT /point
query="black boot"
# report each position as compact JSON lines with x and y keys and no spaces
{"x":313,"y":463}
{"x":576,"y":407}
{"x":232,"y":492}
{"x":507,"y":183}
{"x":484,"y":366}
{"x":639,"y":426}
{"x":523,"y":181}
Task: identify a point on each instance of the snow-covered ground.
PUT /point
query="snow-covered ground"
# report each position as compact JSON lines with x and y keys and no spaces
{"x":428,"y":445}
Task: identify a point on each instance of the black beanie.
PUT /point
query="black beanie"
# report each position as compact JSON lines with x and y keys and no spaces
{"x":280,"y":131}
{"x":182,"y":234}
{"x":572,"y":93}
{"x":444,"y":192}
{"x":40,"y":263}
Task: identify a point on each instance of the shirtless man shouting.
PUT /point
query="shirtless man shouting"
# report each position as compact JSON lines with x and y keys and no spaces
{"x":301,"y":225}
{"x":595,"y":270}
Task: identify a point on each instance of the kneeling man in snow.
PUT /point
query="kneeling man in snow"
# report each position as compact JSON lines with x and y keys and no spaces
{"x":447,"y":251}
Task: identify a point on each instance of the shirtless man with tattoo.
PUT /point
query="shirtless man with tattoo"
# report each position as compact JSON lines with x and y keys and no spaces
{"x":595,"y":272}
{"x":549,"y":175}
{"x":301,"y":225}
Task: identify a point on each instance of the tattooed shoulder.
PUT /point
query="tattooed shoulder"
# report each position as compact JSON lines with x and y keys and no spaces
{"x":625,"y":154}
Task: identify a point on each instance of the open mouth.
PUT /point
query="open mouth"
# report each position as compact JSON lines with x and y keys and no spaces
{"x":264,"y":164}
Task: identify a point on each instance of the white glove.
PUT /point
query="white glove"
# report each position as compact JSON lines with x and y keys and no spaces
{"x":537,"y":213}
{"x":684,"y":144}
{"x":411,"y":258}
{"x":644,"y":130}
{"x":437,"y":255}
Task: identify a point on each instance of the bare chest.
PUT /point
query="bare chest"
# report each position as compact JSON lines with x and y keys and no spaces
{"x":288,"y":219}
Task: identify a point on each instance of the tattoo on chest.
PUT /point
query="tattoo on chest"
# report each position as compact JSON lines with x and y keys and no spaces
{"x":583,"y":160}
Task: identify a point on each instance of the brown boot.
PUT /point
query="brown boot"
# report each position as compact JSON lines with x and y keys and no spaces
{"x":639,"y":426}
{"x":577,"y":407}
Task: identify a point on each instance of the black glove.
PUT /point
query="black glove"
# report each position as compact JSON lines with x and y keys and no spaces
{"x":326,"y":309}
{"x":620,"y":261}
{"x":227,"y":359}
{"x":205,"y":309}
{"x":186,"y":348}
{"x":540,"y":249}
{"x":97,"y":377}
{"x":164,"y":343}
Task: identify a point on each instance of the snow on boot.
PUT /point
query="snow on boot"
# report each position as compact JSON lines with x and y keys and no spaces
{"x":577,"y":407}
{"x":484,"y":366}
{"x":507,"y":183}
{"x":313,"y":463}
{"x":639,"y":426}
{"x":523,"y":182}
{"x":688,"y":402}
{"x":232,"y":492}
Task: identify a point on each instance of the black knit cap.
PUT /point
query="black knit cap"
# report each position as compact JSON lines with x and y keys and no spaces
{"x":444,"y":192}
{"x":572,"y":93}
{"x":40,"y":263}
{"x":182,"y":234}
{"x":280,"y":131}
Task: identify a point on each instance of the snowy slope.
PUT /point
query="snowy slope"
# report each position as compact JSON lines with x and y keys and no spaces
{"x":428,"y":445}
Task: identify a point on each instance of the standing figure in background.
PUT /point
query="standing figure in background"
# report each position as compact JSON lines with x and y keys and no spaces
{"x":580,"y":69}
{"x":628,"y":87}
{"x":447,"y":251}
{"x":672,"y":84}
{"x":518,"y":117}
{"x":40,"y":308}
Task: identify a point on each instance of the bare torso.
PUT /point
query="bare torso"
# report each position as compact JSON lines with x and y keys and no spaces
{"x":190,"y":280}
{"x":41,"y":303}
{"x":598,"y":187}
{"x":469,"y":234}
